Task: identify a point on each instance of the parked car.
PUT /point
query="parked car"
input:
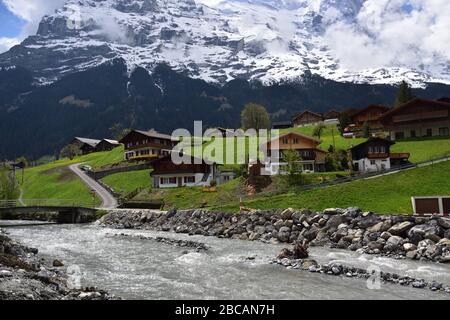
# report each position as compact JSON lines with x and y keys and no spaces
{"x":86,"y":168}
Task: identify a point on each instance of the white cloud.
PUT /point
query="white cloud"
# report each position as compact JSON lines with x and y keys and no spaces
{"x":384,"y":34}
{"x":32,"y":12}
{"x":7,"y":43}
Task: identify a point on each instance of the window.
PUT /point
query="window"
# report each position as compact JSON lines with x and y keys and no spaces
{"x":285,"y":141}
{"x":226,"y":178}
{"x":413,"y":134}
{"x":189,"y":179}
{"x":172,"y":180}
{"x":372,"y":162}
{"x":296,"y":141}
{"x":429,"y":132}
{"x":444,"y":132}
{"x":308,"y":167}
{"x":399,"y":135}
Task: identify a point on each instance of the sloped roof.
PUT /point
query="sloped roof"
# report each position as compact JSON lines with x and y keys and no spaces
{"x":414,"y":102}
{"x":91,"y":142}
{"x":111,"y":141}
{"x":296,"y":134}
{"x":151,"y":134}
{"x":356,"y":112}
{"x":372,"y":140}
{"x":307,"y":111}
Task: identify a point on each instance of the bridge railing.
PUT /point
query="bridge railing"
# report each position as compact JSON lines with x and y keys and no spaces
{"x":44,"y":203}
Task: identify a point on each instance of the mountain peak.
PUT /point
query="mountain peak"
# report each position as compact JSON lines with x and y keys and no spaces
{"x":215,"y":40}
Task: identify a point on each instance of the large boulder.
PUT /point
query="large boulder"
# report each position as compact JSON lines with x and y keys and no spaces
{"x":401,"y":228}
{"x":287,"y":214}
{"x":334,"y":222}
{"x":283,"y":234}
{"x":381,"y":226}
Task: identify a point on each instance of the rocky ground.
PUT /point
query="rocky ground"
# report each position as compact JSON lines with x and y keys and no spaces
{"x":419,"y":238}
{"x":25,"y":276}
{"x":197,"y":246}
{"x":335,"y":269}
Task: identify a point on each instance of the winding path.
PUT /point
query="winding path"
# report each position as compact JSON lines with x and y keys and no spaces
{"x":108,"y":200}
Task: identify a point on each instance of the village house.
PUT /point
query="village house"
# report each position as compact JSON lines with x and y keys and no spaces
{"x":107,"y":145}
{"x":86,"y":145}
{"x":147,"y":145}
{"x":312,"y":157}
{"x":167,"y":174}
{"x":307,"y":118}
{"x":332,"y":114}
{"x":282,"y":125}
{"x":418,"y":118}
{"x":375,"y":155}
{"x":370,"y":115}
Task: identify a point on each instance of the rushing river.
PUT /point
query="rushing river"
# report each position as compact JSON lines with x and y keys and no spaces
{"x":145,"y":269}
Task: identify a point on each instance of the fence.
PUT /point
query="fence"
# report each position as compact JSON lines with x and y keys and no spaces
{"x":44,"y":203}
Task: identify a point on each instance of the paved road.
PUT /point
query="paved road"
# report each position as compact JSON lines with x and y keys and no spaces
{"x":109,"y":202}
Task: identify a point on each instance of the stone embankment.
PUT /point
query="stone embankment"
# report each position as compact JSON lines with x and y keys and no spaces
{"x":419,"y":238}
{"x":25,"y":276}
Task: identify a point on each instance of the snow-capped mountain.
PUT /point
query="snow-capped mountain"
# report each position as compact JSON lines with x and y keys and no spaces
{"x":213,"y":40}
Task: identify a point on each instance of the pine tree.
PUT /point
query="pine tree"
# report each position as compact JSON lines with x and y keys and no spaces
{"x":404,"y":94}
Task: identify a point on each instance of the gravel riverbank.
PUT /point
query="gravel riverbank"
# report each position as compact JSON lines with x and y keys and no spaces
{"x":26,"y":276}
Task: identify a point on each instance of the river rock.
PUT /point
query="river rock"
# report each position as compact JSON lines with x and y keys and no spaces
{"x":400,"y":228}
{"x":409,"y":247}
{"x":332,"y":211}
{"x":287,"y":214}
{"x":411,"y":254}
{"x":284,"y":234}
{"x":395,"y":240}
{"x":444,"y":223}
{"x":57,"y":263}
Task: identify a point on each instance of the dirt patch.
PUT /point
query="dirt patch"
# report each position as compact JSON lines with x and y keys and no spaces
{"x":65,"y":174}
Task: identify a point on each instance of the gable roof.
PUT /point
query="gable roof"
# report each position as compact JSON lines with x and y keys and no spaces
{"x":413,"y":102}
{"x":373,"y":106}
{"x":304,"y":136}
{"x":90,"y":142}
{"x":370,"y":140}
{"x":114,"y":142}
{"x":305,"y":112}
{"x":150,"y":134}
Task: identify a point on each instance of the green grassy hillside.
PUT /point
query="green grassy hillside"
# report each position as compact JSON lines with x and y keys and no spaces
{"x":387,"y":194}
{"x":127,"y":182}
{"x":55,"y":181}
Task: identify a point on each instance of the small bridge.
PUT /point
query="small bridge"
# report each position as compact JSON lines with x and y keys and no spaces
{"x":60,"y":211}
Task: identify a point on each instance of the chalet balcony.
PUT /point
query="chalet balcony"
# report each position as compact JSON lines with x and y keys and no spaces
{"x":143,"y":157}
{"x":376,"y":155}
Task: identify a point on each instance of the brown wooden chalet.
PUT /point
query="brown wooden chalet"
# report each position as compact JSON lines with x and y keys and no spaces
{"x":375,"y":155}
{"x":167,"y":174}
{"x":107,"y":145}
{"x":332,"y":114}
{"x":307,"y":117}
{"x":147,"y":145}
{"x":418,"y":118}
{"x":312,"y":157}
{"x":371,"y":115}
{"x":86,"y":145}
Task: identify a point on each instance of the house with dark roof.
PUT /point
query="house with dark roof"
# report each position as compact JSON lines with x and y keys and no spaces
{"x":417,"y":118}
{"x":375,"y":155}
{"x":86,"y":145}
{"x":147,"y":145}
{"x":281,"y":125}
{"x":370,"y":115}
{"x":307,"y":118}
{"x":107,"y":145}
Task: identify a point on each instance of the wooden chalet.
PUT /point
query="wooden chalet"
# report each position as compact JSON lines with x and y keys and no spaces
{"x":167,"y":174}
{"x":86,"y":145}
{"x":307,"y":118}
{"x":147,"y":145}
{"x":332,"y":114}
{"x":375,"y":155}
{"x":418,"y":118}
{"x":312,"y":157}
{"x":370,"y":115}
{"x":107,"y":145}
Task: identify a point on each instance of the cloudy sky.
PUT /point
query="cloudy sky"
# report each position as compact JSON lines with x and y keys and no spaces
{"x":386,"y":32}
